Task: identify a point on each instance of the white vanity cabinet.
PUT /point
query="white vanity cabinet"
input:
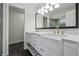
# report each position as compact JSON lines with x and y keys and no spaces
{"x":27,"y":38}
{"x":70,"y":48}
{"x":50,"y":47}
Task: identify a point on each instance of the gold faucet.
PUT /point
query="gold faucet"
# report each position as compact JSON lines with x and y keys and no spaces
{"x":56,"y":30}
{"x":62,"y":32}
{"x":57,"y":27}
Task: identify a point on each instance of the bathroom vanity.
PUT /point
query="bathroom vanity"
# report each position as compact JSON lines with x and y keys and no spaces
{"x":53,"y":45}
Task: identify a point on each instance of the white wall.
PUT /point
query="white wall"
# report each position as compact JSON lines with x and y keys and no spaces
{"x":70,"y":18}
{"x":30,"y":20}
{"x":39,"y":22}
{"x":29,"y":15}
{"x":16,"y":25}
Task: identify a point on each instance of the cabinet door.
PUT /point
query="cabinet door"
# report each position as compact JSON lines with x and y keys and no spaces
{"x":70,"y":48}
{"x":50,"y":47}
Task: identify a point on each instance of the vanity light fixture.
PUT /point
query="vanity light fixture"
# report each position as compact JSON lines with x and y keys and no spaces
{"x":48,"y":7}
{"x":42,"y":10}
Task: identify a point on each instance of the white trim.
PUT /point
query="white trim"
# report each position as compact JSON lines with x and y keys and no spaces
{"x":5,"y":28}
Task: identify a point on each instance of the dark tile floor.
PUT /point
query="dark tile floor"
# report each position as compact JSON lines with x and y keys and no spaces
{"x":17,"y":50}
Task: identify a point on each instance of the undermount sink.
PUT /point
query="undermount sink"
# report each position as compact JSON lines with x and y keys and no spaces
{"x":51,"y":35}
{"x":71,"y":37}
{"x":56,"y":37}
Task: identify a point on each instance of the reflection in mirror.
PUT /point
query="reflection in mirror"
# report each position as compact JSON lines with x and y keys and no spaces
{"x":57,"y":22}
{"x":64,"y":16}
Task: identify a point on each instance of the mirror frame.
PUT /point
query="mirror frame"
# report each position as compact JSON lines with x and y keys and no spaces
{"x":76,"y":7}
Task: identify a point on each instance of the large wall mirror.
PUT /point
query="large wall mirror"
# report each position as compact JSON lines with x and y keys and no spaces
{"x":65,"y":17}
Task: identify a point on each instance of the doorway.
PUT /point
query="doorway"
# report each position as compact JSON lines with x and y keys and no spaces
{"x":16,"y":30}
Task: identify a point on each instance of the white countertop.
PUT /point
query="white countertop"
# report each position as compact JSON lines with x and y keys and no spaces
{"x":71,"y":37}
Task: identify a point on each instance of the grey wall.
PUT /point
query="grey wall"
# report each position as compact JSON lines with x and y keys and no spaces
{"x":16,"y":25}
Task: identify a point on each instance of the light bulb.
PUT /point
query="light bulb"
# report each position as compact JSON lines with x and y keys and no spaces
{"x":47,"y":5}
{"x":42,"y":13}
{"x":50,"y":8}
{"x":42,"y":9}
{"x":46,"y":11}
{"x":56,"y":5}
{"x":39,"y":11}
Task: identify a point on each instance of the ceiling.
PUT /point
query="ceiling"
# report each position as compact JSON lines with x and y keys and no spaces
{"x":24,"y":5}
{"x":37,"y":6}
{"x":32,"y":5}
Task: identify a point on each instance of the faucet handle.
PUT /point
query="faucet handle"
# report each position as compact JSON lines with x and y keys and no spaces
{"x":62,"y":32}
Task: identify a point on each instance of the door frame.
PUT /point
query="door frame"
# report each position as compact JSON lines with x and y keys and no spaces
{"x":6,"y":27}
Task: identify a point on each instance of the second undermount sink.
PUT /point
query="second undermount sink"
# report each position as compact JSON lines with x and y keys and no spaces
{"x":73,"y":37}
